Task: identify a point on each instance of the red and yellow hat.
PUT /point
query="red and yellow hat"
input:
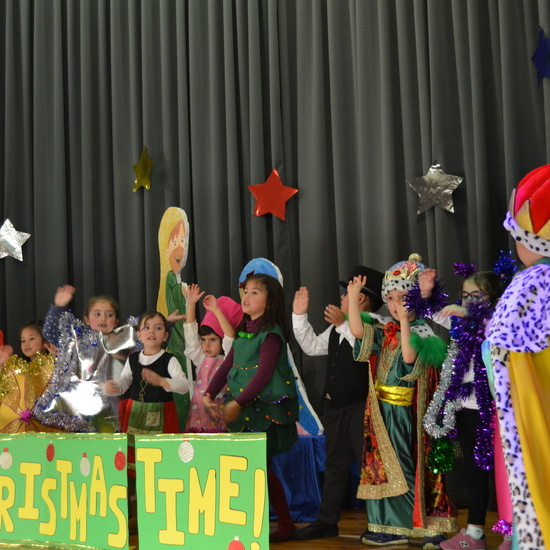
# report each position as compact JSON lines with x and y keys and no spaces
{"x":528,"y":218}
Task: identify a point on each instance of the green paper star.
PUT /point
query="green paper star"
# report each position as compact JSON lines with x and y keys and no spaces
{"x":435,"y":189}
{"x":143,"y":171}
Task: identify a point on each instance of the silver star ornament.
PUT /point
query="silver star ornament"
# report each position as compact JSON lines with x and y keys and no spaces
{"x":11,"y":241}
{"x":435,"y":189}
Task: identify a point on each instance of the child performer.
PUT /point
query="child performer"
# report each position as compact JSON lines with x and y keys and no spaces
{"x":89,"y":354}
{"x":404,"y":498}
{"x":463,"y":404}
{"x":519,"y":336}
{"x":23,"y":380}
{"x":345,"y":393}
{"x":206,"y":348}
{"x":261,"y":391}
{"x":151,"y":377}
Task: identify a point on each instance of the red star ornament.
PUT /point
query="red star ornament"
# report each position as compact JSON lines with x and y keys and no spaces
{"x":271,"y":196}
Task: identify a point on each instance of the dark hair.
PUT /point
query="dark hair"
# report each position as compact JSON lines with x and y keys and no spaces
{"x":205,"y":330}
{"x":35,"y":325}
{"x":149,"y":315}
{"x":274,"y":314}
{"x":490,"y":283}
{"x":101,"y":298}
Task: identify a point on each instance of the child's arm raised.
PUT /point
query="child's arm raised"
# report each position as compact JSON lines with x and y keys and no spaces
{"x":64,"y":295}
{"x":426,"y":282}
{"x":408,"y":352}
{"x":194,"y":294}
{"x":354,"y":314}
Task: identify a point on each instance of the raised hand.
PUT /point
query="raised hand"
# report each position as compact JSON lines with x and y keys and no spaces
{"x":64,"y":295}
{"x":210,"y":303}
{"x":426,"y":282}
{"x":356,"y":285}
{"x":334,"y":315}
{"x":194,"y":293}
{"x":301,"y":301}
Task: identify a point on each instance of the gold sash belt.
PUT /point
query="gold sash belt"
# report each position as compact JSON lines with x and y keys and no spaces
{"x":395,"y":395}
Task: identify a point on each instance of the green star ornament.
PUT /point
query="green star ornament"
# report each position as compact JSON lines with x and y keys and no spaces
{"x":435,"y":189}
{"x":143,"y":171}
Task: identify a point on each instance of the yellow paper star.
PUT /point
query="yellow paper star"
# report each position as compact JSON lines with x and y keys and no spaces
{"x":143,"y":171}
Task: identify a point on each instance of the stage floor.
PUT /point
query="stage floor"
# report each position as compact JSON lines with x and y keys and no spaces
{"x":351,"y":526}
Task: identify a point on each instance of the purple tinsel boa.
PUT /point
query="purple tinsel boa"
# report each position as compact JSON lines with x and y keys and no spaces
{"x":467,"y":335}
{"x":426,"y":307}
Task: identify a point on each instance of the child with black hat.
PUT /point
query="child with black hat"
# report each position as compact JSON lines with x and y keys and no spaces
{"x":345,"y":392}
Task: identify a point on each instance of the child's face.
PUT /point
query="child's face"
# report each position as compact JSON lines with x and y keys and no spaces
{"x":152,"y":334}
{"x":211,"y":345}
{"x":31,"y":342}
{"x":395,"y":302}
{"x":344,"y":302}
{"x":254,"y":299}
{"x":176,"y":249}
{"x":471,"y":292}
{"x":102,"y":317}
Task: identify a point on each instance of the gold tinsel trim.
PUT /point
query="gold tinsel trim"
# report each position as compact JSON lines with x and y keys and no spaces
{"x":42,"y":365}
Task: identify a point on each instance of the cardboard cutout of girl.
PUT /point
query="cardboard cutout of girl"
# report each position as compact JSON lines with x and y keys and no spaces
{"x":173,"y":239}
{"x":308,"y":421}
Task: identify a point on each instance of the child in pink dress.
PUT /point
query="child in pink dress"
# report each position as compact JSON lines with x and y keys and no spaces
{"x":206,"y":347}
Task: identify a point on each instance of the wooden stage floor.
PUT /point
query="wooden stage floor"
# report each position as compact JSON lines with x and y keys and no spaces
{"x":352,"y":525}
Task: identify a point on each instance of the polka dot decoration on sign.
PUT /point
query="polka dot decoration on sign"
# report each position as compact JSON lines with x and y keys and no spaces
{"x":186,"y":452}
{"x":120,"y":460}
{"x":236,"y":544}
{"x":6,"y":460}
{"x":50,"y":452}
{"x":85,"y":465}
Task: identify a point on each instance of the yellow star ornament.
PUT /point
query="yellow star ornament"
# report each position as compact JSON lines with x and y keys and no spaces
{"x":143,"y":171}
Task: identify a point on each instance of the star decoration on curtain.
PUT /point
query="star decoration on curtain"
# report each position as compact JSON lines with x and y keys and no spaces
{"x":541,"y":57}
{"x":11,"y":241}
{"x":435,"y":189}
{"x":143,"y":171}
{"x":271,"y":196}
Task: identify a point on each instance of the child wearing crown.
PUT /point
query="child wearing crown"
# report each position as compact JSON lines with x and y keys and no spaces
{"x":519,"y":338}
{"x":404,"y":498}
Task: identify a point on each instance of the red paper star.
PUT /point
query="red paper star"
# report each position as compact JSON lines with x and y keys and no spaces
{"x":271,"y":196}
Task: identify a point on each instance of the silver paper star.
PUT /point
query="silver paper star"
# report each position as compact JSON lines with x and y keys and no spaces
{"x":11,"y":241}
{"x":435,"y":189}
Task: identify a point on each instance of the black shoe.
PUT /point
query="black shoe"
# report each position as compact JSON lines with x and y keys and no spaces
{"x":316,"y":530}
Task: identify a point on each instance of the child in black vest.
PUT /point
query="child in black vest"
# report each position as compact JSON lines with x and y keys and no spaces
{"x":345,"y":394}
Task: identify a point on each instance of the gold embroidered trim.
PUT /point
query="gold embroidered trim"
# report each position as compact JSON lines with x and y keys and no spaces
{"x":396,"y":483}
{"x":367,"y":343}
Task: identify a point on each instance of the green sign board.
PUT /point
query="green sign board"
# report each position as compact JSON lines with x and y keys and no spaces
{"x":202,"y":491}
{"x":64,"y":489}
{"x":194,"y":490}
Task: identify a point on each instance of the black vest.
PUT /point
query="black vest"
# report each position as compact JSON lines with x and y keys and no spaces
{"x":152,"y":394}
{"x":347,"y":380}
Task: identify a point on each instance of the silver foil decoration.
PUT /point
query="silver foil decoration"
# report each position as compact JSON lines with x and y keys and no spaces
{"x":11,"y":241}
{"x":74,"y":398}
